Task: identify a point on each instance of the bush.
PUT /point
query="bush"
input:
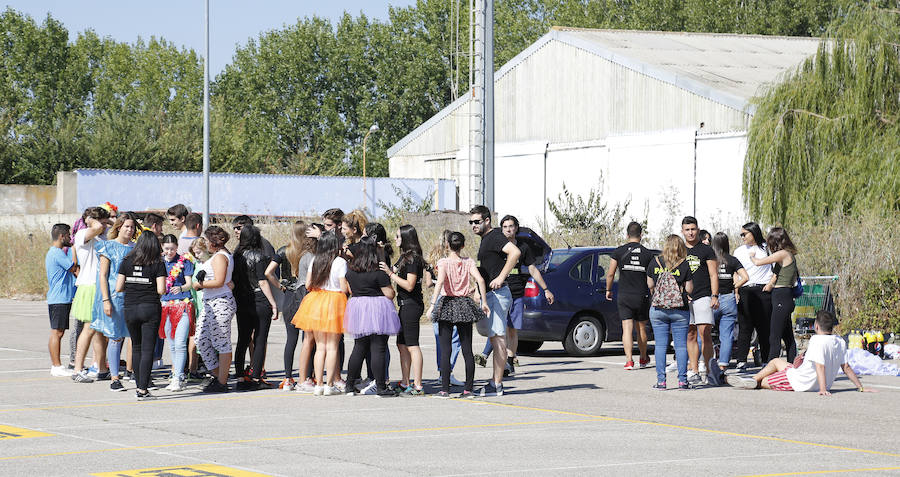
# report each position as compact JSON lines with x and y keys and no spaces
{"x":586,"y":221}
{"x":880,"y":307}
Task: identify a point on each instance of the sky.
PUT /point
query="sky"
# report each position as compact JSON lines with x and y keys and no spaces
{"x":231,"y":22}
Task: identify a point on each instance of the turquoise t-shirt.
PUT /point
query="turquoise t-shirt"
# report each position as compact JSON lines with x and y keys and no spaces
{"x":60,"y":281}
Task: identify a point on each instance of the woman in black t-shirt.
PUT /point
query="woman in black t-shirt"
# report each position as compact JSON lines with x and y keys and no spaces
{"x":370,"y":316}
{"x":142,"y":276}
{"x":665,"y":316}
{"x":407,"y":274}
{"x":727,"y":312}
{"x":256,"y":307}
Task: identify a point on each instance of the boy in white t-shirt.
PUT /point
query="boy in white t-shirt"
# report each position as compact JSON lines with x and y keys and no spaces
{"x":824,"y":356}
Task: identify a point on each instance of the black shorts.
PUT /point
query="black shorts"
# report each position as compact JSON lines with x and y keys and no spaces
{"x":59,"y":316}
{"x":633,"y":307}
{"x":410,"y":314}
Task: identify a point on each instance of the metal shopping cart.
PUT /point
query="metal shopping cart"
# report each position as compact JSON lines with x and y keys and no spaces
{"x":816,"y":296}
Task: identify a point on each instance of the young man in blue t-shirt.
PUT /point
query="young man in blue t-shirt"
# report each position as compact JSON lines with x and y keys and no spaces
{"x":61,"y":269}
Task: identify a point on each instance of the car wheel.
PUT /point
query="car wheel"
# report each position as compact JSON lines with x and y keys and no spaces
{"x":528,"y":347}
{"x":585,"y":336}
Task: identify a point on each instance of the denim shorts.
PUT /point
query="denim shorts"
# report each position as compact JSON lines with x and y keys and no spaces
{"x":498,"y":301}
{"x":516,"y":312}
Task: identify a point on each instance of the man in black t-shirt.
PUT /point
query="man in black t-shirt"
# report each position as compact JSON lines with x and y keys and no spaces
{"x":633,"y":296}
{"x":704,"y":299}
{"x":496,"y":258}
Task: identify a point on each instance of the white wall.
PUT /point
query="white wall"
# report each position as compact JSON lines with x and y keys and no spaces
{"x":644,"y":168}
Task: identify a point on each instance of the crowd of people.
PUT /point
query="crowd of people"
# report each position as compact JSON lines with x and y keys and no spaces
{"x":128,"y":287}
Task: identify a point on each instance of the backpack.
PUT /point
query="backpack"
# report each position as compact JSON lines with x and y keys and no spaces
{"x":667,"y":292}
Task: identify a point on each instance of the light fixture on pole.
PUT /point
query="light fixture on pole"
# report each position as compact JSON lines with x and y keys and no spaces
{"x":374,"y":128}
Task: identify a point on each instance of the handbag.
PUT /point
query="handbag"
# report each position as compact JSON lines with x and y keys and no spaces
{"x":797,"y":290}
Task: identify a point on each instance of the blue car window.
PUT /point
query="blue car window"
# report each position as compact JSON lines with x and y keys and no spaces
{"x":557,"y":257}
{"x":581,"y":271}
{"x":602,"y":264}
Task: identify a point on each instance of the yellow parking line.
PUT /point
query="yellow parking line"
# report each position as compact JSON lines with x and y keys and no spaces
{"x":288,"y":438}
{"x":687,"y":428}
{"x":837,"y":471}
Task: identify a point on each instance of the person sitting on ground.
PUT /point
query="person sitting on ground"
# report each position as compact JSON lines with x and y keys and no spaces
{"x":825,"y":355}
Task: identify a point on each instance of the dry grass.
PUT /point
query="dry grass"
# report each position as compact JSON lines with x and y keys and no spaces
{"x":855,"y":249}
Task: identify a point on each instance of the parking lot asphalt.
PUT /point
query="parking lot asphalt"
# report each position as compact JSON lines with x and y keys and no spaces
{"x":561,"y":415}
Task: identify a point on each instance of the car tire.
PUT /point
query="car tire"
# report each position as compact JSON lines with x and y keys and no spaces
{"x":584,"y":336}
{"x":528,"y":347}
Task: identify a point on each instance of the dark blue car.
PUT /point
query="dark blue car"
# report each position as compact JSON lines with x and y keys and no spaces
{"x":581,"y":316}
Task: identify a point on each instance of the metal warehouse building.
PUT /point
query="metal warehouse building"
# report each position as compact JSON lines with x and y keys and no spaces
{"x":657,"y":115}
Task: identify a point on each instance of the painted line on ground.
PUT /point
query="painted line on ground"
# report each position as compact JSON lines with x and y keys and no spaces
{"x":835,"y":471}
{"x":175,"y":399}
{"x":885,"y":386}
{"x":287,"y":438}
{"x":687,"y":428}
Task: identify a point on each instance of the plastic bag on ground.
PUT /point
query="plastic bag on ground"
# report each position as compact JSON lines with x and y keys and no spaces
{"x":866,"y":363}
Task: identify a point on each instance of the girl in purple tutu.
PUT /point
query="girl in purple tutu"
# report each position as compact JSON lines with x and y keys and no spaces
{"x":370,"y":316}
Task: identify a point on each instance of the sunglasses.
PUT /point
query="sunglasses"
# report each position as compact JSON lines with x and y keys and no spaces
{"x":238,"y":227}
{"x":475,"y":222}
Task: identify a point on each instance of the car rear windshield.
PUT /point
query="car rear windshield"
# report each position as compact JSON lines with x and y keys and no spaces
{"x":557,"y":257}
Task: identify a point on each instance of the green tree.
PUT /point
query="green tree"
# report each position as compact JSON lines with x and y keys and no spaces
{"x":827,"y":139}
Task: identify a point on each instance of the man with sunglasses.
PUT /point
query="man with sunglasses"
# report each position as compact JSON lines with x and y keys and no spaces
{"x":496,"y":258}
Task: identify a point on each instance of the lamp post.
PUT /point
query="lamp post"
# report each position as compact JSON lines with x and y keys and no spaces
{"x":372,"y":129}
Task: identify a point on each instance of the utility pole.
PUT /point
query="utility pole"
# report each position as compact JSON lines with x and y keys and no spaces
{"x":206,"y":123}
{"x":481,"y":105}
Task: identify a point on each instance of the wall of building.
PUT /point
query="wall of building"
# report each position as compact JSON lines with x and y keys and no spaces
{"x":27,"y":199}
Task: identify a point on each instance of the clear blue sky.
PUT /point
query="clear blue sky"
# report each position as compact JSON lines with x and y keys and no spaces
{"x":232,"y":22}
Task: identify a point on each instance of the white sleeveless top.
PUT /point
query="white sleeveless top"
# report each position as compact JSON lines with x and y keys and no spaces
{"x":210,"y":293}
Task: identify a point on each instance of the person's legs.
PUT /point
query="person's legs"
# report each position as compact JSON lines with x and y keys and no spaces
{"x":514,"y":322}
{"x":680,"y":322}
{"x":705,"y":333}
{"x":149,"y":335}
{"x":627,"y":339}
{"x":745,"y":324}
{"x":193,"y":355}
{"x":762,"y":316}
{"x":437,"y":344}
{"x":693,"y":349}
{"x":465,"y":345}
{"x":319,"y":360}
{"x":488,"y":348}
{"x":409,"y":319}
{"x":246,"y":321}
{"x":728,"y":312}
{"x":290,"y":345}
{"x":134,"y":323}
{"x":378,"y":348}
{"x":773,"y":366}
{"x":178,"y":345}
{"x":499,"y":302}
{"x":445,"y":330}
{"x":221,"y":339}
{"x":332,"y":358}
{"x":53,"y":345}
{"x":642,"y":340}
{"x":306,"y":350}
{"x":661,"y":341}
{"x":206,"y":323}
{"x":782,"y":307}
{"x":261,"y":337}
{"x":73,"y":340}
{"x":405,"y":362}
{"x":84,"y":343}
{"x":361,"y":347}
{"x":114,"y":352}
{"x":454,"y":353}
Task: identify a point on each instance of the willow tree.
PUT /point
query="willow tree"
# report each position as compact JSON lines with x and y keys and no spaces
{"x":827,"y":139}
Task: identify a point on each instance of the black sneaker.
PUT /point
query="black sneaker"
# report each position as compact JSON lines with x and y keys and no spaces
{"x":144,"y":396}
{"x":82,"y":377}
{"x":151,"y":386}
{"x":116,"y":385}
{"x":195,"y":376}
{"x":510,"y":367}
{"x":104,"y":376}
{"x":386,"y":393}
{"x":216,"y":387}
{"x":128,"y":376}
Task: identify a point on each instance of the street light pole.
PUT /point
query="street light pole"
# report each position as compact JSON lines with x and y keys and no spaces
{"x":372,"y":129}
{"x":206,"y":122}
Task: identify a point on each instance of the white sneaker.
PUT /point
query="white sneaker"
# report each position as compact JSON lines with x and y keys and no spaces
{"x":340,"y":385}
{"x":672,"y":367}
{"x":306,"y":387}
{"x":702,"y":367}
{"x":176,"y":386}
{"x":318,"y":390}
{"x":741,"y":382}
{"x":60,"y":371}
{"x":370,"y":389}
{"x":456,"y":382}
{"x":330,"y":390}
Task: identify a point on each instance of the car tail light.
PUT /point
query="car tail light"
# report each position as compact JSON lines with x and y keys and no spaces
{"x":531,"y":289}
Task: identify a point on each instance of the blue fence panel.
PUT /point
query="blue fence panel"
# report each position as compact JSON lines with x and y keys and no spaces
{"x":253,"y":194}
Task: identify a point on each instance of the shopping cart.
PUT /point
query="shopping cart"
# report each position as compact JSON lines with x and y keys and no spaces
{"x":816,"y":296}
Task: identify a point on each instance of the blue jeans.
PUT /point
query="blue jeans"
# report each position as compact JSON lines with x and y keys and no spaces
{"x":663,"y":321}
{"x":454,"y":347}
{"x":178,"y":346}
{"x":726,"y":316}
{"x":499,"y":302}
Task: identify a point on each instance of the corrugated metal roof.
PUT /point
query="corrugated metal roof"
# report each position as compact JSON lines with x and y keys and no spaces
{"x":728,"y":69}
{"x":740,"y":66}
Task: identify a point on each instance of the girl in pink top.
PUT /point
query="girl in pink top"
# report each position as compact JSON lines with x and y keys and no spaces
{"x":457,"y":309}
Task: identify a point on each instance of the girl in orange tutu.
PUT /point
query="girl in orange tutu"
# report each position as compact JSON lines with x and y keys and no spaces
{"x":322,"y":309}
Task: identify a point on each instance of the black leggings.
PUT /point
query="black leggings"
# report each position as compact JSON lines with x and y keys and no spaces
{"x":376,"y":346}
{"x":289,"y":307}
{"x":445,"y":334}
{"x":142,"y":321}
{"x":781,"y":329}
{"x":253,"y":323}
{"x":754,"y":312}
